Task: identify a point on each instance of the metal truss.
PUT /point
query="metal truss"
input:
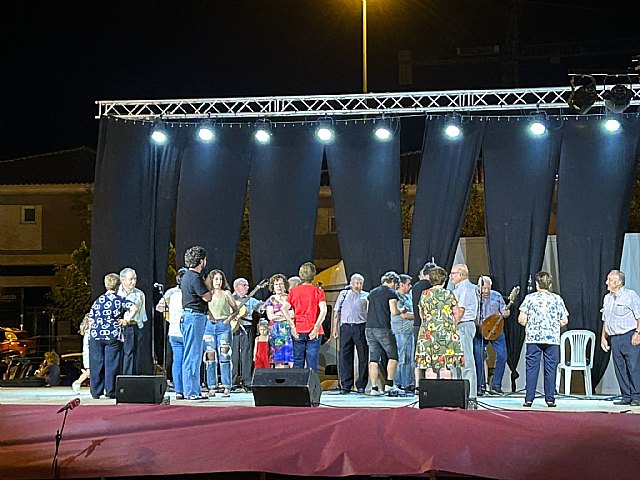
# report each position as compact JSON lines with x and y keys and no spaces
{"x":490,"y":101}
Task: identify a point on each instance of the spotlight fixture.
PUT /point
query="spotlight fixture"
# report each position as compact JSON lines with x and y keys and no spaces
{"x":453,"y":127}
{"x":383,"y":129}
{"x":582,"y":98}
{"x":205,"y":131}
{"x":618,"y":98}
{"x":263,"y":132}
{"x":538,"y":125}
{"x":612,"y":125}
{"x":324,"y":131}
{"x":159,"y":133}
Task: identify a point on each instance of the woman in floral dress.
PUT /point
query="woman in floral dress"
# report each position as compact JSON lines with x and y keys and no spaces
{"x":280,"y":318}
{"x":438,"y":350}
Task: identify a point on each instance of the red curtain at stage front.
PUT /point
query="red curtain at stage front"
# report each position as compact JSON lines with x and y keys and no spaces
{"x":135,"y":440}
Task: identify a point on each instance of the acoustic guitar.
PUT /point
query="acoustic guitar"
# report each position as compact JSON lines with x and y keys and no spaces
{"x":492,"y":325}
{"x":243,"y":311}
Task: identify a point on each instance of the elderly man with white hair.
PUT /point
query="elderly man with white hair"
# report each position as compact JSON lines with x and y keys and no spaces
{"x":349,"y":319}
{"x":131,"y":349}
{"x":465,"y":293}
{"x":491,"y":302}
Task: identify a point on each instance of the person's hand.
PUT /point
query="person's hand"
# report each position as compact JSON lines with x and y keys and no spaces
{"x":313,"y":334}
{"x":635,"y":339}
{"x":506,"y":313}
{"x":604,"y":344}
{"x":335,"y":332}
{"x":294,"y":333}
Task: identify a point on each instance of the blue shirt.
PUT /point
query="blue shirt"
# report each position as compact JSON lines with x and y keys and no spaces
{"x":106,"y":311}
{"x":465,"y":293}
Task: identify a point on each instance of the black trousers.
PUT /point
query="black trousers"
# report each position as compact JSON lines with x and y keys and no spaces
{"x":352,"y":338}
{"x":242,"y":356}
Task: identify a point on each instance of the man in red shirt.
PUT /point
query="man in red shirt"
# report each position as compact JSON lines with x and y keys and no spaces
{"x":310,"y":307}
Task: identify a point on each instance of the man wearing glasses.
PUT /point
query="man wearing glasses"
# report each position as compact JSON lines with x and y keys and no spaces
{"x":465,"y":294}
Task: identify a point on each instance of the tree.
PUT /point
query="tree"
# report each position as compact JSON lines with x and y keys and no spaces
{"x":70,"y":297}
{"x":474,"y":216}
{"x":243,"y":256}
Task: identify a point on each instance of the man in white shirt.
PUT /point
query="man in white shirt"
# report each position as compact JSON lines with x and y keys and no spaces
{"x":621,"y":335}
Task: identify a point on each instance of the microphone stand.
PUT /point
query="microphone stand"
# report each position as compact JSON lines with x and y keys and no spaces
{"x":482,"y":339}
{"x":54,"y":465}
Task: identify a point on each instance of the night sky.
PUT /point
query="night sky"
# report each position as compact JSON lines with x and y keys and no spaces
{"x":62,"y":56}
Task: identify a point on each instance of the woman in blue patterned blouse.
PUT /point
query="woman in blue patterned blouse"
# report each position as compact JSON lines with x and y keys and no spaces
{"x":542,"y":313}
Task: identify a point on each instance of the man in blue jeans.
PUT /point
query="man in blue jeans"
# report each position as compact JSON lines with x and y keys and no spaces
{"x":490,"y":302}
{"x":310,"y":306}
{"x":195,"y":296}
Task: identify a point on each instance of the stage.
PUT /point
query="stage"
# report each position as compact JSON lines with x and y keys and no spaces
{"x":347,"y":435}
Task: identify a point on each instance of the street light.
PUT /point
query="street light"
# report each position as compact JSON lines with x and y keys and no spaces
{"x":364,"y":46}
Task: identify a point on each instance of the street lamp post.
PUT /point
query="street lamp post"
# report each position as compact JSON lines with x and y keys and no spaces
{"x":364,"y":46}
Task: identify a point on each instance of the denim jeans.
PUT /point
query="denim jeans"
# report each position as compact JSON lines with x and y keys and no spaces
{"x":551,"y":355}
{"x":500,"y":347}
{"x":177,"y":349}
{"x":306,"y":349}
{"x":466,"y":331}
{"x":192,"y":328}
{"x":403,"y":331}
{"x":215,"y":334}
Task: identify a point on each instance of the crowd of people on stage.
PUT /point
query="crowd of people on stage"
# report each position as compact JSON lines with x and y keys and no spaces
{"x":400,"y":332}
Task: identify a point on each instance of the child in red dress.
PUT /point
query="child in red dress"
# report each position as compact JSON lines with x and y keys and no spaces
{"x":261,"y":348}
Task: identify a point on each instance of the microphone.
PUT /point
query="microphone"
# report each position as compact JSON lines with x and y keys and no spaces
{"x":530,"y":285}
{"x":70,"y":405}
{"x":158,"y":285}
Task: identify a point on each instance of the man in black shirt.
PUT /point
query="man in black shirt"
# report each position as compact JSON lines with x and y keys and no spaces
{"x":383,"y":302}
{"x":195,"y":296}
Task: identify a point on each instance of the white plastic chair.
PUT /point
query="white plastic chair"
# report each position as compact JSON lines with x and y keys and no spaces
{"x":578,"y":343}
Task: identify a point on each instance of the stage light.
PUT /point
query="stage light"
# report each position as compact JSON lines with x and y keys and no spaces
{"x":454,"y":126}
{"x":324,"y":133}
{"x":382,"y":133}
{"x":263,"y":132}
{"x":205,"y":131}
{"x":582,"y":98}
{"x":618,"y":97}
{"x":159,"y":133}
{"x":324,"y":130}
{"x":612,"y":125}
{"x":383,"y":129}
{"x":538,"y":126}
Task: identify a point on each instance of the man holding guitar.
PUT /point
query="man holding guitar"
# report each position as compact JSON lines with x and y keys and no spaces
{"x":491,"y":317}
{"x":242,"y":328}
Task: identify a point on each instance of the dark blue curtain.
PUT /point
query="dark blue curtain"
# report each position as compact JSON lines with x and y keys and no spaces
{"x":365,"y":184}
{"x":519,"y":181}
{"x":211,"y":194}
{"x":443,"y":190}
{"x":595,"y":182}
{"x":135,"y":185}
{"x":283,"y":192}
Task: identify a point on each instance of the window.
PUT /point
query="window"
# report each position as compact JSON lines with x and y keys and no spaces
{"x":332,"y":225}
{"x":28,"y":215}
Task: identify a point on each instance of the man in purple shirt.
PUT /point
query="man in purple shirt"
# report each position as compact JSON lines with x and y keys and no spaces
{"x":349,"y":319}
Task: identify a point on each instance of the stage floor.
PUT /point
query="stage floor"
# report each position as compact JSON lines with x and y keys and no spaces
{"x":511,"y":402}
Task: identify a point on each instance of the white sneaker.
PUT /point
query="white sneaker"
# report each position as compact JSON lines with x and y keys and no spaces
{"x":75,"y":386}
{"x":391,"y":391}
{"x":374,"y":392}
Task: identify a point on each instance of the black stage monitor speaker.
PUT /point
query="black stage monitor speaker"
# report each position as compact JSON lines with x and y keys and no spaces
{"x":443,"y":393}
{"x":140,"y":388}
{"x":287,"y":387}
